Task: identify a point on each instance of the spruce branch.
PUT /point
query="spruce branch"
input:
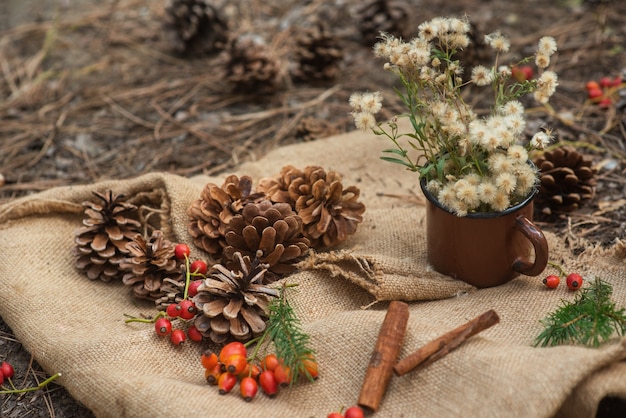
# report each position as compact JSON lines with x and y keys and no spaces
{"x":591,"y":319}
{"x":291,"y":342}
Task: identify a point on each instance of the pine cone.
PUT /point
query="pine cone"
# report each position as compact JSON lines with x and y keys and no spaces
{"x":389,"y":16}
{"x":149,"y":264}
{"x":234,"y":303}
{"x":271,"y":232}
{"x":101,"y":242}
{"x":211,"y":213}
{"x":310,"y":128}
{"x":329,"y":211}
{"x":251,"y":66}
{"x":567,"y":180}
{"x":172,"y":291}
{"x":317,"y":55}
{"x":194,"y":27}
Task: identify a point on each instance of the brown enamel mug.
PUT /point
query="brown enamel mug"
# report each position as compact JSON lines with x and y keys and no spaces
{"x":485,"y":249}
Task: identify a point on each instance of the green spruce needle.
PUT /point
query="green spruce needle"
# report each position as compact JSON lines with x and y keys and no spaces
{"x":590,"y":319}
{"x":284,"y":330}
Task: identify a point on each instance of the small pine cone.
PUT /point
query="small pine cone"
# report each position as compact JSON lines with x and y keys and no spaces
{"x":211,"y":213}
{"x":101,"y":242}
{"x":149,"y":264}
{"x":389,"y":16}
{"x":252,"y":66}
{"x":567,"y":180}
{"x":310,"y":128}
{"x":194,"y":27}
{"x":317,"y":55}
{"x":173,"y":292}
{"x":271,"y":232}
{"x":329,"y":211}
{"x":234,"y":303}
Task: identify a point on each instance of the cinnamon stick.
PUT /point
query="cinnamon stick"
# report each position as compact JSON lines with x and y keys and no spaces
{"x":384,"y":356}
{"x":438,"y":348}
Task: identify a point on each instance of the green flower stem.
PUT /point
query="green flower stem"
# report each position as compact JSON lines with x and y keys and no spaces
{"x":559,"y":267}
{"x":144,"y":320}
{"x":31,"y":389}
{"x":187,"y":277}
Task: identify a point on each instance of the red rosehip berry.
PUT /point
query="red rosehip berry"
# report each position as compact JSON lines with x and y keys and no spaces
{"x":592,"y":85}
{"x":334,"y":415}
{"x":194,"y":334}
{"x":251,"y":370}
{"x":268,"y":383}
{"x":6,"y":370}
{"x":235,"y":363}
{"x":616,"y":81}
{"x":198,"y":267}
{"x":226,"y":382}
{"x":552,"y":281}
{"x":163,"y":326}
{"x":187,"y":309}
{"x":574,"y":281}
{"x":173,"y":310}
{"x":177,"y":337}
{"x":595,"y":93}
{"x":193,"y":288}
{"x":248,"y":388}
{"x":354,"y":412}
{"x":213,"y":374}
{"x":605,"y":82}
{"x":209,"y":359}
{"x":231,"y":348}
{"x":181,"y":251}
{"x":282,"y":374}
{"x":309,"y":367}
{"x":522,"y":73}
{"x":269,"y":362}
{"x":605,"y":103}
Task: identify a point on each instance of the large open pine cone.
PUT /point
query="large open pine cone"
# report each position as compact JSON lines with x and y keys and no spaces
{"x":329,"y":212}
{"x":149,"y":264}
{"x":194,"y":27}
{"x":234,"y":302}
{"x":567,"y":180}
{"x":317,"y":55}
{"x":270,"y":232}
{"x":109,"y":225}
{"x":210,"y":215}
{"x":389,"y":16}
{"x":252,"y":66}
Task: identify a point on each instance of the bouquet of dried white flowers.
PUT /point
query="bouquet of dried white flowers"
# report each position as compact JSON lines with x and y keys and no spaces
{"x":470,"y":163}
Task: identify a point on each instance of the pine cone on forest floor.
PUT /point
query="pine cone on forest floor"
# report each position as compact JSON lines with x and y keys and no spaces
{"x":329,"y":212}
{"x":211,"y":214}
{"x":270,"y":232}
{"x":389,"y":16}
{"x":567,"y":180}
{"x":150,"y":262}
{"x":194,"y":27}
{"x":234,"y":303}
{"x":317,"y":55}
{"x":109,"y":225}
{"x":252,"y":66}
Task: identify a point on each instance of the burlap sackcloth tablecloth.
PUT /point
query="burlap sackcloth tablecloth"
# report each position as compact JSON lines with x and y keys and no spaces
{"x":76,"y":326}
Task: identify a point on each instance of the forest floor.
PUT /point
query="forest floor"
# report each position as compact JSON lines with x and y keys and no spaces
{"x":93,"y":92}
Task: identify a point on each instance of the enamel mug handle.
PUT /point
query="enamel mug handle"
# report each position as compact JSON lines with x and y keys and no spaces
{"x":538,"y":240}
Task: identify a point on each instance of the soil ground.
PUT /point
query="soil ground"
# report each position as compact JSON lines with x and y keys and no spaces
{"x":94,"y":91}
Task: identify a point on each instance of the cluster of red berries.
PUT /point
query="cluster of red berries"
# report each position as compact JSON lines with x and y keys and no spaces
{"x":352,"y":412}
{"x":602,"y":91}
{"x":185,"y":309}
{"x":6,"y":371}
{"x":232,"y":365}
{"x":574,"y":281}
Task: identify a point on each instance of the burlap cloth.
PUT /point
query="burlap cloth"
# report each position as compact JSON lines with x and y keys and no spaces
{"x":76,"y":326}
